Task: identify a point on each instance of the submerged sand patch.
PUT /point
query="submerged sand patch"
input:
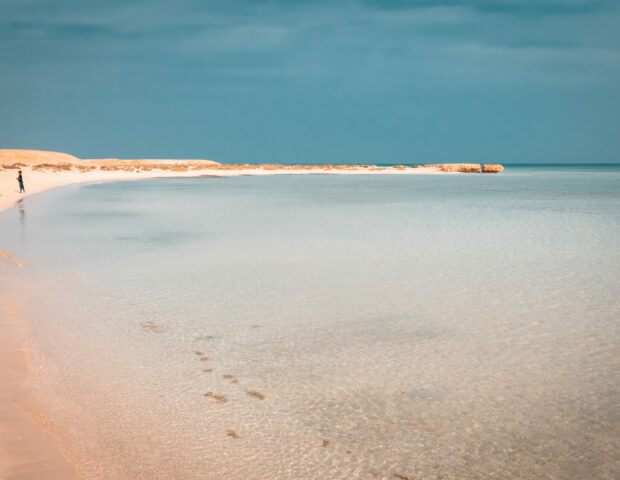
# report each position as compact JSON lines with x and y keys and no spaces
{"x":10,"y":258}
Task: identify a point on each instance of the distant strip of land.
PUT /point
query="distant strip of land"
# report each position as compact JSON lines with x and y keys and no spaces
{"x":44,"y":170}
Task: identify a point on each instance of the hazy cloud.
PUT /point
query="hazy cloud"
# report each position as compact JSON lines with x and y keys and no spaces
{"x":128,"y":56}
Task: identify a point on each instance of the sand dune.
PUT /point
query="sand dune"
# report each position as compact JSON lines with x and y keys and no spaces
{"x":33,"y":157}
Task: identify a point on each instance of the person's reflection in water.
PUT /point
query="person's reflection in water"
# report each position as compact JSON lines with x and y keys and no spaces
{"x":22,"y":217}
{"x":21,"y":210}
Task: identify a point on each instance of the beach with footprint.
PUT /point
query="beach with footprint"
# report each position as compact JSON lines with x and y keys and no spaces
{"x":222,"y":398}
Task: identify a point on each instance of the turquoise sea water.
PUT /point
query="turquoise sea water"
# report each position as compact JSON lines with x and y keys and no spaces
{"x":427,"y":326}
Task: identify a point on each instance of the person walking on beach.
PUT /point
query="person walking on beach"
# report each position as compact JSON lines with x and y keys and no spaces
{"x":20,"y":180}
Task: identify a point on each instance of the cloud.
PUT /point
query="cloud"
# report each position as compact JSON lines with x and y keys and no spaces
{"x":509,"y":7}
{"x":363,"y":42}
{"x":237,"y":38}
{"x":57,"y":30}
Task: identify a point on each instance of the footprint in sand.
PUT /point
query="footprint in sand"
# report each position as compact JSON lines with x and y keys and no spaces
{"x":326,"y":443}
{"x":204,"y":337}
{"x":207,"y":370}
{"x":254,"y":394}
{"x":216,"y":397}
{"x":401,"y":476}
{"x":152,"y":327}
{"x":233,"y":434}
{"x":204,"y":359}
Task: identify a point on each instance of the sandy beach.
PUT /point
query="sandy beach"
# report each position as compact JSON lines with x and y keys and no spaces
{"x":28,"y":450}
{"x":45,"y":170}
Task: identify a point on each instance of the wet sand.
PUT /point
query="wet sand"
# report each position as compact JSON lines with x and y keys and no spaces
{"x":28,"y":451}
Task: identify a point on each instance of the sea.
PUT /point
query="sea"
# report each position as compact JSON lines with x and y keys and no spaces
{"x":296,"y":327}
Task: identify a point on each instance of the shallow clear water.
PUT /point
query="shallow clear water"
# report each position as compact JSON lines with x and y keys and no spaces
{"x":447,"y":326}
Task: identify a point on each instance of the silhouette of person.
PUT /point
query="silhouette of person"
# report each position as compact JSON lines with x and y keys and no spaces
{"x":20,"y":180}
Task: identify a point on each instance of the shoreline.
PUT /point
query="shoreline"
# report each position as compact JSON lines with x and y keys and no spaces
{"x":28,"y":449}
{"x":40,"y":181}
{"x":45,"y":170}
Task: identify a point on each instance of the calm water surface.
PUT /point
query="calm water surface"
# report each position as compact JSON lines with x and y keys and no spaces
{"x":432,"y":327}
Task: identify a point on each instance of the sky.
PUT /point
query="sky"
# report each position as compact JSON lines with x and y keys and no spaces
{"x":313,"y":81}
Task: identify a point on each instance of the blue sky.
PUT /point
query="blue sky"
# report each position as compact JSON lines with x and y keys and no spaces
{"x":354,"y":81}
